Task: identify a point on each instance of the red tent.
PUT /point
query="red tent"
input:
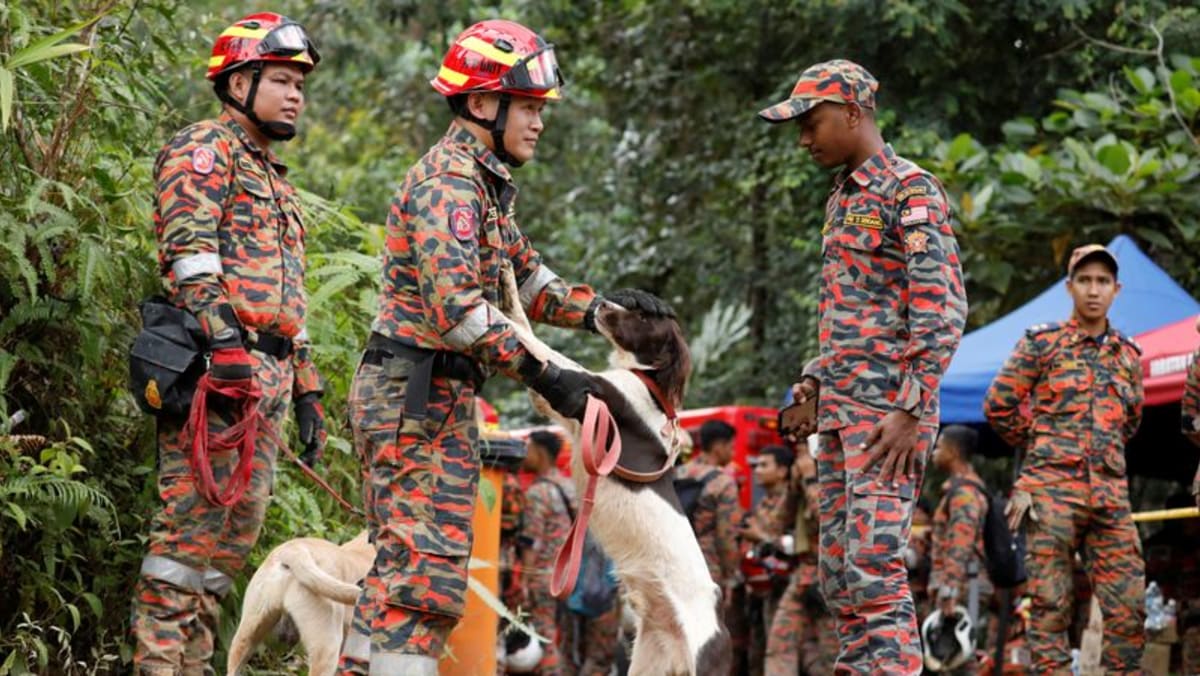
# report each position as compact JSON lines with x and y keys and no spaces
{"x":1166,"y":354}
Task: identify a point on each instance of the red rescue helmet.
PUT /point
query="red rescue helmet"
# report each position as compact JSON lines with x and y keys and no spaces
{"x":499,"y":56}
{"x":265,"y":36}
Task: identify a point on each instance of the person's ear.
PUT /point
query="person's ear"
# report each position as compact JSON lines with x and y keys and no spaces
{"x":854,"y":115}
{"x":482,"y":105}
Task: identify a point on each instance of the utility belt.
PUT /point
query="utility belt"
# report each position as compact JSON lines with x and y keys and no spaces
{"x":423,"y":365}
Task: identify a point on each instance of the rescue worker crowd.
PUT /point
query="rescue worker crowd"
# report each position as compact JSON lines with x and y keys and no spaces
{"x":837,"y":518}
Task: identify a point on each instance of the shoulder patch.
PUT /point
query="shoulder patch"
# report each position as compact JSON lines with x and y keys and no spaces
{"x":916,"y":241}
{"x":203,"y":159}
{"x":1042,"y":328}
{"x":914,"y":215}
{"x":462,"y":222}
{"x":916,"y":190}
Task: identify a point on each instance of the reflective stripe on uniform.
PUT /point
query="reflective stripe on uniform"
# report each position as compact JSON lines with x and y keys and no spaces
{"x":534,"y":284}
{"x":170,"y":570}
{"x":470,"y":329}
{"x":403,"y":663}
{"x":217,"y":582}
{"x":357,"y":646}
{"x":197,"y":264}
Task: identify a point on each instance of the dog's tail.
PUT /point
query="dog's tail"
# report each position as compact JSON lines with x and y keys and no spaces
{"x":300,"y":561}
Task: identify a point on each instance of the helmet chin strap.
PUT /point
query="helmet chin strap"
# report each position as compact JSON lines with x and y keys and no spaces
{"x":496,"y":127}
{"x":272,"y":129}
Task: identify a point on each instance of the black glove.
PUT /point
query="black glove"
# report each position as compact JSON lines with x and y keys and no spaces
{"x":643,"y":301}
{"x":310,"y":419}
{"x":565,"y":391}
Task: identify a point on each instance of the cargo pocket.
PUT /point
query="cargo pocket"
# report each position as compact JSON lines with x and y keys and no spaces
{"x":431,"y":566}
{"x":881,"y":513}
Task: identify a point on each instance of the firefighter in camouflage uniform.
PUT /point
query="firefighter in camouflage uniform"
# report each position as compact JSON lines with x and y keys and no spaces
{"x":231,"y":251}
{"x":892,"y":309}
{"x":1190,"y":413}
{"x":1070,"y":396}
{"x":438,"y":335}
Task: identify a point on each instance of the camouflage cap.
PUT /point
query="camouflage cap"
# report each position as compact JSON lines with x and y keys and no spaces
{"x":1091,"y":252}
{"x":839,"y":81}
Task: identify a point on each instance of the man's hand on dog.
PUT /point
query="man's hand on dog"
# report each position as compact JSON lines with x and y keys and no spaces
{"x":891,"y":445}
{"x":641,"y":301}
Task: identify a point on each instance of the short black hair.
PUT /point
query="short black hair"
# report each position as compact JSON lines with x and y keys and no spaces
{"x":784,"y":457}
{"x":547,"y":440}
{"x":713,"y":431}
{"x":964,"y":439}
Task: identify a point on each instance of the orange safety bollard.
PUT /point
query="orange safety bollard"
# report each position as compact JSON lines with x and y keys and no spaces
{"x":472,"y":645}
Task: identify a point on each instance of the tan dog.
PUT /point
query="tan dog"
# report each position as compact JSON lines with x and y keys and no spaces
{"x":314,"y":582}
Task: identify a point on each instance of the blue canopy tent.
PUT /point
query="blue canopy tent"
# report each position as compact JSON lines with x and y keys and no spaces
{"x":1149,"y":298}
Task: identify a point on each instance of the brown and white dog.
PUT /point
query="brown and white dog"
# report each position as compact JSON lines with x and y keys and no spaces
{"x":315,"y":583}
{"x":641,"y":526}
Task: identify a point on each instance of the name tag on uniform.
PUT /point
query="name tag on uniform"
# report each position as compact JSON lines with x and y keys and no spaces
{"x":863,"y":221}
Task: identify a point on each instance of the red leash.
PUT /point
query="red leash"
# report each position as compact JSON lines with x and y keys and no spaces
{"x":598,"y":462}
{"x":241,"y":436}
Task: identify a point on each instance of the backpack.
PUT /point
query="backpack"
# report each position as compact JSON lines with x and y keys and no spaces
{"x":689,"y":489}
{"x":1003,"y":552}
{"x":596,"y":587}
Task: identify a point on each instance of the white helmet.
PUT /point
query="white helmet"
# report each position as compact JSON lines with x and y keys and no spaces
{"x":947,"y":644}
{"x":523,"y":654}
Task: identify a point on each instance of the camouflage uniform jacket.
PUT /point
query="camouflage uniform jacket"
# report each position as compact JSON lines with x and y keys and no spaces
{"x":715,"y":519}
{"x":449,"y":227}
{"x":1190,"y":411}
{"x":231,"y":233}
{"x":545,"y":525}
{"x":1071,"y":402}
{"x":764,"y":512}
{"x":958,"y":539}
{"x":892,"y":300}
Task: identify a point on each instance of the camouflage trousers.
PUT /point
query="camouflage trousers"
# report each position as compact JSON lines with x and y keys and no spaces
{"x":864,"y":528}
{"x":1107,"y":538}
{"x":195,"y":546}
{"x":419,"y":482}
{"x":803,"y":635}
{"x":1191,"y":651}
{"x":544,"y":612}
{"x":590,"y":643}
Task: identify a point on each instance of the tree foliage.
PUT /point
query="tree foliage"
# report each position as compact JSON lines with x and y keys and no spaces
{"x":1052,"y":122}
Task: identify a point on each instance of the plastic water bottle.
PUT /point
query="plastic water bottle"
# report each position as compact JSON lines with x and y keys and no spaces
{"x":1156,"y":612}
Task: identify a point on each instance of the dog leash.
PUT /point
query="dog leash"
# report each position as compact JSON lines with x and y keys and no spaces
{"x":598,"y":462}
{"x":242,"y":436}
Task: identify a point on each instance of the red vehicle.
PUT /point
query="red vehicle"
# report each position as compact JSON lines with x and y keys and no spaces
{"x":756,"y":428}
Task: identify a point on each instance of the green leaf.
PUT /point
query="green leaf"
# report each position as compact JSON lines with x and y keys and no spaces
{"x":1156,"y":238}
{"x":960,"y":148}
{"x":487,"y":493}
{"x":95,"y":603}
{"x":1141,"y":78}
{"x":1019,"y":129}
{"x":6,"y":97}
{"x":1181,"y":81}
{"x":29,"y":55}
{"x":1115,"y":158}
{"x":18,"y":514}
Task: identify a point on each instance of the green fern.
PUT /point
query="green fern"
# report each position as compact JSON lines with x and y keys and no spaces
{"x":57,"y":495}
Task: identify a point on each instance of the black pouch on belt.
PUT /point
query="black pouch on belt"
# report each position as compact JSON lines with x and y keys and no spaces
{"x":166,"y":359}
